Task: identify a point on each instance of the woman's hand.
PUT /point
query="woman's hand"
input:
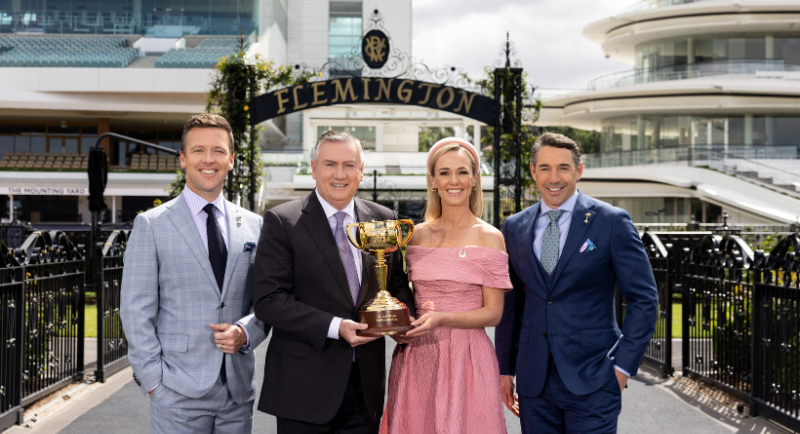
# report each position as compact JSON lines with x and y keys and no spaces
{"x":425,"y":324}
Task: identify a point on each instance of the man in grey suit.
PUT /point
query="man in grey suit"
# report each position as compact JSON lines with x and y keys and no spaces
{"x":186,"y":296}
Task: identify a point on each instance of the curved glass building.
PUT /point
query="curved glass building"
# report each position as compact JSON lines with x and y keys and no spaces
{"x":714,"y":89}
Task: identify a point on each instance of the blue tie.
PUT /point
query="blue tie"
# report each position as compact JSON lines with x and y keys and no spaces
{"x":551,"y":241}
{"x":217,"y":252}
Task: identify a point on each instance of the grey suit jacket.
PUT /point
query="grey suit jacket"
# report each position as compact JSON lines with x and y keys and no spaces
{"x":170,"y":297}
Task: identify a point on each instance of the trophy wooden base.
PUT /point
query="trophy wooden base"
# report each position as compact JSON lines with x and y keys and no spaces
{"x":385,"y":322}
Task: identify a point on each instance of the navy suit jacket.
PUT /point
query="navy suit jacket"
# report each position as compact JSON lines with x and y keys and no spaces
{"x":573,"y":316}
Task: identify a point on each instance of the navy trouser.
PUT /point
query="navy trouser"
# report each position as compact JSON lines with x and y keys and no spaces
{"x":558,"y":411}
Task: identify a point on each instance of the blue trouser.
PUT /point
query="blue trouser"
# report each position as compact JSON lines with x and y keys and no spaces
{"x":558,"y":411}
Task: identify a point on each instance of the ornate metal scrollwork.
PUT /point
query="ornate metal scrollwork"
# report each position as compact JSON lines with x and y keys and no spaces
{"x":399,"y":64}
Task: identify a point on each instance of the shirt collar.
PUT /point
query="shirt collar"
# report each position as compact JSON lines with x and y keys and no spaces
{"x":196,"y":203}
{"x":350,"y":209}
{"x":567,"y":207}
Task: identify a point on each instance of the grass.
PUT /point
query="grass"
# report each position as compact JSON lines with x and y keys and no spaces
{"x":90,"y":321}
{"x":677,"y":329}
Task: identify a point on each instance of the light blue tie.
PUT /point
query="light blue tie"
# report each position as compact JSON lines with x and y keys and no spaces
{"x":551,"y":241}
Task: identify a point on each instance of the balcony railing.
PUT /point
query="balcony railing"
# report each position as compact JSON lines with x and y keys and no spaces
{"x":686,"y":72}
{"x":651,"y":4}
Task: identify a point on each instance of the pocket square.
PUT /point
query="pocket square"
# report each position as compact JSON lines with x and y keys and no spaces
{"x":588,"y":246}
{"x":249,"y":246}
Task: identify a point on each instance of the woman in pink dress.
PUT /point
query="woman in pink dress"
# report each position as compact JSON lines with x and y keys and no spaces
{"x":445,"y":380}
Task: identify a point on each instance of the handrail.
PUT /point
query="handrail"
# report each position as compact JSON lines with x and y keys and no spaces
{"x":681,"y":72}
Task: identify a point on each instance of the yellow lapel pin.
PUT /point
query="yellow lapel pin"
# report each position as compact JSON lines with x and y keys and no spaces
{"x":238,"y":220}
{"x":588,"y":214}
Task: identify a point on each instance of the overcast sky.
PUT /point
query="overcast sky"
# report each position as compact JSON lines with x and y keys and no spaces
{"x":548,"y":35}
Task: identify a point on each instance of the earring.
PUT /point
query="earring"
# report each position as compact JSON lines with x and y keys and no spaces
{"x":434,"y":189}
{"x":474,"y":188}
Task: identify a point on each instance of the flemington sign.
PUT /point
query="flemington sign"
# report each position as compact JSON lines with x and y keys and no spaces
{"x":378,"y":74}
{"x":374,"y":90}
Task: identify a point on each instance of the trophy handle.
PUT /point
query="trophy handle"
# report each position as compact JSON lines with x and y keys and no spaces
{"x":410,"y":224}
{"x":353,"y":241}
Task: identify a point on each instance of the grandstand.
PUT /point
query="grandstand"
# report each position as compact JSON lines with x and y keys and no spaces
{"x":70,"y":52}
{"x":205,"y":55}
{"x":48,"y":160}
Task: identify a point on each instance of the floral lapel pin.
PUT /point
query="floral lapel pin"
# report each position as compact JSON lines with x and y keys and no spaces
{"x":249,"y":246}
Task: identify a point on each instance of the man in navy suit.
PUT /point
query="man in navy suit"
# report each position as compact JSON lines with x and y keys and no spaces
{"x":559,"y":334}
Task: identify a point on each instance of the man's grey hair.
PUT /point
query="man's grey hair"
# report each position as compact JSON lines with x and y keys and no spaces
{"x":557,"y":141}
{"x":337,"y":136}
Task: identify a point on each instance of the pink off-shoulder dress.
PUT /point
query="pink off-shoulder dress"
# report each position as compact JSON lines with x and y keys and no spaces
{"x":448,"y":382}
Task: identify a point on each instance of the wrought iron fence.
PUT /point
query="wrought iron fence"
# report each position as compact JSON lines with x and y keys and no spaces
{"x":42,"y":318}
{"x":42,"y":309}
{"x":717,"y":306}
{"x":776,"y":335}
{"x":659,"y":352}
{"x":112,"y":346}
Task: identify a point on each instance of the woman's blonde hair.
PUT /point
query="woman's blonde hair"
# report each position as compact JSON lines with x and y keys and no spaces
{"x":434,"y":208}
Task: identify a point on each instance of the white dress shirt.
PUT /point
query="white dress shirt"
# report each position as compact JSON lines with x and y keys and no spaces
{"x":330,"y":214}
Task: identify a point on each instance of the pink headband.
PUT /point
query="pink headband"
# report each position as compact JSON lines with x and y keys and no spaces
{"x":451,"y":140}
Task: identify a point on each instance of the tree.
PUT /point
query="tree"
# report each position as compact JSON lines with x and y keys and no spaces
{"x":588,"y":141}
{"x":235,"y":82}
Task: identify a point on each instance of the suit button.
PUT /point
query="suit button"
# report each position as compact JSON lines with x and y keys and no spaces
{"x":222,"y":305}
{"x":544,"y":335}
{"x":550,"y":301}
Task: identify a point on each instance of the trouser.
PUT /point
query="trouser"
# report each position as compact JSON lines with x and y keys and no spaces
{"x":352,"y":417}
{"x":558,"y":411}
{"x":215,"y":412}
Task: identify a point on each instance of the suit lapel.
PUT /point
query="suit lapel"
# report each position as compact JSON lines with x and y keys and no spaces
{"x":367,"y":260}
{"x":577,"y":229}
{"x":181,"y":217}
{"x":526,"y":240}
{"x":317,"y":225}
{"x":235,"y":242}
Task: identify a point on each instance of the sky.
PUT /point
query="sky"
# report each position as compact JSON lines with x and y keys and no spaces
{"x":548,"y":35}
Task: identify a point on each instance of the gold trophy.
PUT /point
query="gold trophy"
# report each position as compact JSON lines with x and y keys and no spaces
{"x":384,"y":314}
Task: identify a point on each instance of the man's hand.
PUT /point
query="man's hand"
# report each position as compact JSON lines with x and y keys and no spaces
{"x":229,"y":338}
{"x":509,"y":397}
{"x":347,"y":330}
{"x":622,"y":378}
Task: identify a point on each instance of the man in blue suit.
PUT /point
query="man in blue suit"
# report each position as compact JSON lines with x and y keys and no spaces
{"x":559,"y":334}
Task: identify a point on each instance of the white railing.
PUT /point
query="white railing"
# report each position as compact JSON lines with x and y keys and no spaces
{"x":685,"y":72}
{"x":654,"y":4}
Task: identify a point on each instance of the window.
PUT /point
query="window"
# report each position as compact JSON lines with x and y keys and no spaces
{"x":365,"y":134}
{"x":344,"y":32}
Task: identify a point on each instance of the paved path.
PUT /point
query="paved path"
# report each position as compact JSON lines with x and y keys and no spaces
{"x":651,"y":405}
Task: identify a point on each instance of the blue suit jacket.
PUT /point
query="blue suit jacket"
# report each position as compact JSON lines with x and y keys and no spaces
{"x":573,"y":317}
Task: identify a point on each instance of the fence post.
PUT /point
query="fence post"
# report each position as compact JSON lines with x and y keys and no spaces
{"x":755,"y":340}
{"x":670,"y":287}
{"x":100,"y":296}
{"x":20,"y":309}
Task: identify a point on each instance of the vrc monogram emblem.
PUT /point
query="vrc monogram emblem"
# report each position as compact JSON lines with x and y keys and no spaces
{"x":375,"y":49}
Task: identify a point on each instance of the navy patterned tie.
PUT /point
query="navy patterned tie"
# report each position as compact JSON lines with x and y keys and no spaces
{"x":217,"y":252}
{"x":347,"y":255}
{"x":551,"y":241}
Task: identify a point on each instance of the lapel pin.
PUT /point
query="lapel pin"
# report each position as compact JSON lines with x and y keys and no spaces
{"x":588,"y":214}
{"x":238,"y":220}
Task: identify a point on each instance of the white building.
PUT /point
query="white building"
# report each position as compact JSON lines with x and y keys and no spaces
{"x":71,"y":70}
{"x":707,"y":120}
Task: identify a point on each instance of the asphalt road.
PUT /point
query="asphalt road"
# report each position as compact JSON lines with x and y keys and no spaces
{"x":651,"y":405}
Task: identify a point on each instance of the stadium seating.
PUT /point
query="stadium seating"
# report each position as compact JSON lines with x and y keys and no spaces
{"x":148,"y":162}
{"x":65,"y":51}
{"x":205,"y":55}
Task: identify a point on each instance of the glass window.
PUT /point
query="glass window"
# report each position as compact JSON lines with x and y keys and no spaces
{"x":22,"y":143}
{"x":38,"y":144}
{"x":365,"y":134}
{"x":344,"y":29}
{"x":6,"y":145}
{"x":55,"y":145}
{"x":70,"y":146}
{"x":159,"y":18}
